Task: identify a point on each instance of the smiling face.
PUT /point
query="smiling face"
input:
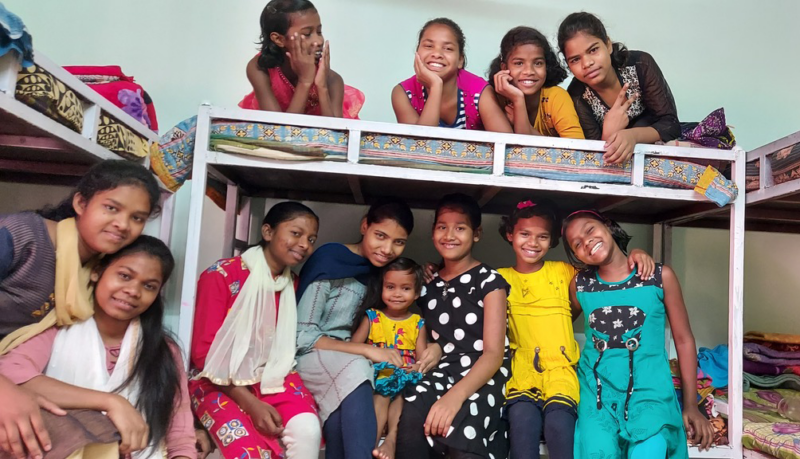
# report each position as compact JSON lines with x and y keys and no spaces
{"x":527,"y":67}
{"x":531,"y":241}
{"x":306,"y":24}
{"x":590,"y":240}
{"x":399,"y":291}
{"x":382,"y":241}
{"x":110,"y":220}
{"x":291,"y":242}
{"x":127,"y":287}
{"x":453,"y":235}
{"x":589,"y":59}
{"x":438,"y":49}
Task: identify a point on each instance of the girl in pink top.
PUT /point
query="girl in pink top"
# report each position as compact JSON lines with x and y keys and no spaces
{"x":292,"y":72}
{"x":121,"y":360}
{"x":441,"y":93}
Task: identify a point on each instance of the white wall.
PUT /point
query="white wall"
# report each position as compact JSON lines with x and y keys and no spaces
{"x":732,"y":53}
{"x":738,"y":54}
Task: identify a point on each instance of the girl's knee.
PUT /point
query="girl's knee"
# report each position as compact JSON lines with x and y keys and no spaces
{"x":303,"y":428}
{"x":653,"y":447}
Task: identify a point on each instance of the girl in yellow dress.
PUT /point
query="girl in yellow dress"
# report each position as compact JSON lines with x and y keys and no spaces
{"x":542,"y":394}
{"x":387,"y":323}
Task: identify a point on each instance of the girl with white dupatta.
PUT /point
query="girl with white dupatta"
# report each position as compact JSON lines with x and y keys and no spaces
{"x":245,"y":390}
{"x":119,"y":361}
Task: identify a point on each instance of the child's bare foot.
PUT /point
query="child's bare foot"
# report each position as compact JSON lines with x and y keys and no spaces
{"x":385,"y":450}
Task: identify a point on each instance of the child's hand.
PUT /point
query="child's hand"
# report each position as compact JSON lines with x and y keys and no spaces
{"x":698,"y":428}
{"x":430,"y":357}
{"x":616,"y":119}
{"x":429,"y":270}
{"x":203,"y":443}
{"x":301,"y":58}
{"x":130,"y":424}
{"x":378,"y":355}
{"x":644,"y":263}
{"x":266,"y":418}
{"x":321,"y":79}
{"x":619,"y":147}
{"x":503,"y":85}
{"x":441,"y":416}
{"x":425,"y":76}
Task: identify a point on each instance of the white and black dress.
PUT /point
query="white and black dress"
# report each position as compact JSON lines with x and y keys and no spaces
{"x":453,"y":313}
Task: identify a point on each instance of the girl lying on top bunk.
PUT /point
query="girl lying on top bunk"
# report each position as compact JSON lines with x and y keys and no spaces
{"x":292,"y":73}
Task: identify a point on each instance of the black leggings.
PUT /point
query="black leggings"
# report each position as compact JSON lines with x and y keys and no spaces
{"x":527,"y":420}
{"x":412,"y":443}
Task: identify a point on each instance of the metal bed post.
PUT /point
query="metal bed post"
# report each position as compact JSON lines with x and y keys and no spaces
{"x":736,"y":309}
{"x":191,"y":265}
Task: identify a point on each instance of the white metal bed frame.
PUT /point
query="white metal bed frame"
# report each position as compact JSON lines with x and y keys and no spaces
{"x":768,"y":190}
{"x":205,"y":160}
{"x":83,"y":146}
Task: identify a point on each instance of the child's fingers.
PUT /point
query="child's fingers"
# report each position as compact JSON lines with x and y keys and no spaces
{"x":622,"y":96}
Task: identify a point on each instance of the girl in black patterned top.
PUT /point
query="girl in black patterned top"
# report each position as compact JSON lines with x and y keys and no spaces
{"x":456,"y":409}
{"x":621,"y":96}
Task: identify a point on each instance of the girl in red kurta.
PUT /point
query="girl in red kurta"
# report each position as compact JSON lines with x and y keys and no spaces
{"x":246,"y":392}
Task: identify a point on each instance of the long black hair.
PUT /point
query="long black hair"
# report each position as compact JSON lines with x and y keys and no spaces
{"x":283,"y":212}
{"x":620,"y":236}
{"x":522,"y":35}
{"x":373,"y":298}
{"x":590,"y":24}
{"x":154,"y":370}
{"x":461,"y":40}
{"x":528,"y":209}
{"x":275,"y":18}
{"x":106,"y":175}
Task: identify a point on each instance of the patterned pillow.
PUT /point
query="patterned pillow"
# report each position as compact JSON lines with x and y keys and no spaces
{"x":118,"y":138}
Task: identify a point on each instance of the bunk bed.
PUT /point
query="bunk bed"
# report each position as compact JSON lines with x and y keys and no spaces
{"x":287,"y":156}
{"x":53,"y":128}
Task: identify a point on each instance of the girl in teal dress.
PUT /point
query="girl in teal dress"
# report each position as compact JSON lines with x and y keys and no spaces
{"x":628,"y":407}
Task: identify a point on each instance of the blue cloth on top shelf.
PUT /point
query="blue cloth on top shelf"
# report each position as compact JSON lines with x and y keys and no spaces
{"x":15,"y":37}
{"x":714,"y":363}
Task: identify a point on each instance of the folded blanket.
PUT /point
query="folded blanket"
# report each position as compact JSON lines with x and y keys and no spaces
{"x":758,"y":353}
{"x":762,"y":369}
{"x":15,"y":37}
{"x":784,"y":381}
{"x":714,"y":363}
{"x":772,"y":337}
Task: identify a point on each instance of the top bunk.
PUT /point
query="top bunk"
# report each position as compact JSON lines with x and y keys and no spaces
{"x":352,"y":161}
{"x":772,"y":187}
{"x":53,"y":127}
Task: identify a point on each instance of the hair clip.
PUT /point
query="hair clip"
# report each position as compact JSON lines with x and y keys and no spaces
{"x":524,"y":204}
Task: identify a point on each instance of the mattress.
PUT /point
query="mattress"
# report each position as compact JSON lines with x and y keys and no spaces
{"x":785,"y":167}
{"x":46,"y":94}
{"x":764,"y":429}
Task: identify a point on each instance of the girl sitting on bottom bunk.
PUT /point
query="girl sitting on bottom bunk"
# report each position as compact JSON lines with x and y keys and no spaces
{"x":120,"y":361}
{"x":621,"y":96}
{"x":628,"y":406}
{"x":542,"y":395}
{"x":247,"y":393}
{"x":387,"y":323}
{"x":526,"y":75}
{"x":456,"y":408}
{"x":44,"y":252}
{"x":441,"y":93}
{"x":292,"y":73}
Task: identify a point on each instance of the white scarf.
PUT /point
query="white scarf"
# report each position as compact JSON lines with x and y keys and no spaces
{"x":79,"y":358}
{"x":250,"y":346}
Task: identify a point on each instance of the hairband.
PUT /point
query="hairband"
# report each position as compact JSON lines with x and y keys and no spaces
{"x":583,"y":211}
{"x":523,"y":204}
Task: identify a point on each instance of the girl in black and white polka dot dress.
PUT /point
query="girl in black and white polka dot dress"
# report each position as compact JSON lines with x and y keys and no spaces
{"x":456,"y":409}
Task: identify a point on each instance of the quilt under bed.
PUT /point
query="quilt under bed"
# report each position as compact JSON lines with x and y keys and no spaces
{"x":767,"y":431}
{"x":785,"y":167}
